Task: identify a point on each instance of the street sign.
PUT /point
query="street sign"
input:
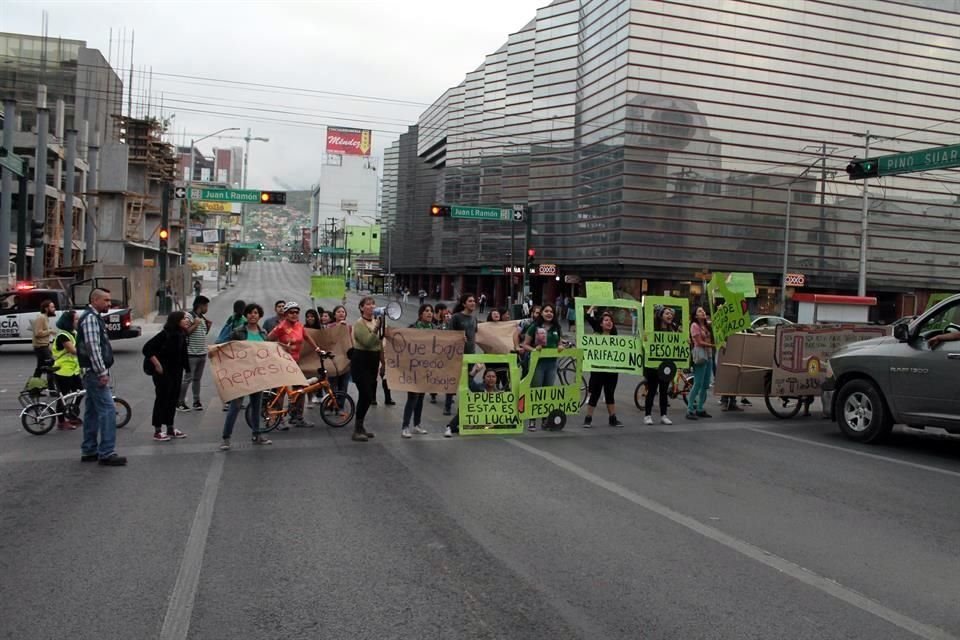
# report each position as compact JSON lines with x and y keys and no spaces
{"x":480,"y":213}
{"x":245,"y":245}
{"x":221,"y":207}
{"x":225,"y":195}
{"x":796,"y":280}
{"x":923,"y":160}
{"x":13,"y":163}
{"x":517,"y":216}
{"x":180,"y":193}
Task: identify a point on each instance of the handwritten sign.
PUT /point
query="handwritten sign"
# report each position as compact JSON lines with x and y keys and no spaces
{"x":540,"y":402}
{"x":423,"y":360}
{"x":242,"y":367}
{"x":600,"y":290}
{"x":496,"y":337}
{"x":484,"y":412}
{"x":731,"y":316}
{"x":326,"y":287}
{"x":666,"y":346}
{"x":336,"y":340}
{"x":622,"y":353}
{"x":801,"y":351}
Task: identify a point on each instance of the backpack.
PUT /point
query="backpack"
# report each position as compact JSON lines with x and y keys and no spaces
{"x":226,"y":330}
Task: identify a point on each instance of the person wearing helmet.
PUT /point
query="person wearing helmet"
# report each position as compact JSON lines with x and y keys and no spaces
{"x":289,"y":333}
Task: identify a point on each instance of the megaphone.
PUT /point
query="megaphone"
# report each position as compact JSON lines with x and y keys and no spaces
{"x":393,"y":311}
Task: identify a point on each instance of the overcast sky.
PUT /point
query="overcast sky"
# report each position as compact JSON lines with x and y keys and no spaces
{"x":402,"y":53}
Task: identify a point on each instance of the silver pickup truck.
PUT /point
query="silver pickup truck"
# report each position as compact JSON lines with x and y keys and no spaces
{"x":899,"y":379}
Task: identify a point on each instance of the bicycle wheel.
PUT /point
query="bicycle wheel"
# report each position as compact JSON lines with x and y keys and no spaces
{"x":124,"y":413}
{"x":337,"y":410}
{"x":566,"y":370}
{"x":270,"y":417}
{"x":584,"y":392}
{"x":640,"y":395}
{"x":780,"y":406}
{"x":36,"y":419}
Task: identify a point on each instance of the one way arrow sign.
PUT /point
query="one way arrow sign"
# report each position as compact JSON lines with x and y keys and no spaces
{"x":180,"y":193}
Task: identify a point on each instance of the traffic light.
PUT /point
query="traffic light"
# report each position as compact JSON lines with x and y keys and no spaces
{"x":36,"y":233}
{"x":164,"y":237}
{"x":531,"y":254}
{"x":273,"y":197}
{"x":863,"y":169}
{"x":439,"y":211}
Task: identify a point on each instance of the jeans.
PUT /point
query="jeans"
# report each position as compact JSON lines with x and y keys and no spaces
{"x":166,"y":390}
{"x":545,"y":375}
{"x":413,"y":408}
{"x":236,"y":405}
{"x":701,"y":383}
{"x":99,"y":418}
{"x":195,"y":375}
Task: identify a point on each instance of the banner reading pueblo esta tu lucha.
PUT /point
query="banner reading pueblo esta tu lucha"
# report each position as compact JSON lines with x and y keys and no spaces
{"x":484,"y":411}
{"x":621,"y":353}
{"x":349,"y":142}
{"x":666,"y":349}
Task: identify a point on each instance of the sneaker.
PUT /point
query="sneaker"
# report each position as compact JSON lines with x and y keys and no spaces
{"x":433,"y":399}
{"x":446,"y":412}
{"x":259,"y":439}
{"x":389,"y":403}
{"x":746,"y":402}
{"x":615,"y":422}
{"x":66,"y":426}
{"x":358,"y":436}
{"x":405,"y":433}
{"x":703,"y":414}
{"x":226,"y":406}
{"x":182,"y":407}
{"x":197,"y":406}
{"x":176,"y":433}
{"x":588,"y":422}
{"x":113,"y":460}
{"x":420,"y":431}
{"x":225,"y":445}
{"x":532,"y":425}
{"x":448,"y":432}
{"x":665,"y":420}
{"x":160,"y":436}
{"x":315,"y":400}
{"x":373,"y":404}
{"x":88,"y":457}
{"x":691,"y":416}
{"x":647,"y":419}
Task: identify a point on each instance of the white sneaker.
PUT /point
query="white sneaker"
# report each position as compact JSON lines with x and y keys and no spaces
{"x":665,"y":420}
{"x":448,"y":433}
{"x":420,"y":431}
{"x":647,"y":419}
{"x":405,"y":433}
{"x":315,"y":400}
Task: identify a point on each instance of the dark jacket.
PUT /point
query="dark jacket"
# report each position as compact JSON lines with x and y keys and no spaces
{"x":170,"y":348}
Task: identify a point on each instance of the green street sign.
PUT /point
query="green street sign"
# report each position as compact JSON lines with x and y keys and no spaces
{"x":245,"y":245}
{"x":224,"y":195}
{"x":480,"y":213}
{"x":335,"y":251}
{"x":923,"y":160}
{"x":13,"y":163}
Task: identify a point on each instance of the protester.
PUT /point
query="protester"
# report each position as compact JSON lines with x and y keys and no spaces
{"x":42,"y":333}
{"x":465,"y":320}
{"x":167,"y":360}
{"x":701,"y":353}
{"x":493,"y":316}
{"x":197,"y":330}
{"x":441,"y":322}
{"x":340,"y":382}
{"x":271,"y":323}
{"x":291,"y":335}
{"x":365,"y":363}
{"x":523,"y":356}
{"x":489,"y":385}
{"x":413,"y":408}
{"x":96,"y":357}
{"x":544,"y":332}
{"x":66,"y":366}
{"x":663,"y":321}
{"x":251,"y":331}
{"x":605,"y":381}
{"x":311,"y":319}
{"x":325,"y":319}
{"x":504,"y":314}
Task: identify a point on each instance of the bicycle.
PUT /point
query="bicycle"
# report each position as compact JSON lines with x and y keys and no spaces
{"x":681,"y":385}
{"x":567,"y":370}
{"x":336,"y":408}
{"x":38,"y":418}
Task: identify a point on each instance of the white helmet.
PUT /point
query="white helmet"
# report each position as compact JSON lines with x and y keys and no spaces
{"x":290,"y":306}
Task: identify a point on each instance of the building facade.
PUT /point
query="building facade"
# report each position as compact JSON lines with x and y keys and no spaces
{"x":653,"y":141}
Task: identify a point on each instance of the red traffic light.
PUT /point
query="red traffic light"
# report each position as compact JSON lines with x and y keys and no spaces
{"x":439,"y":211}
{"x":531,"y":253}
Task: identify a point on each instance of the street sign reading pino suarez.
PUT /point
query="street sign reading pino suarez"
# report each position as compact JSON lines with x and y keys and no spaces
{"x":481,"y":213}
{"x":923,"y":160}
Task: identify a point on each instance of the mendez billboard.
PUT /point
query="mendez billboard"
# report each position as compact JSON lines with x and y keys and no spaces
{"x":351,"y":142}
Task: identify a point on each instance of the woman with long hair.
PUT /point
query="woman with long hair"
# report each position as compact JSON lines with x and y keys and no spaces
{"x":662,"y":321}
{"x":365,"y":363}
{"x":701,"y":353}
{"x":251,"y":331}
{"x":166,"y":361}
{"x":543,"y":332}
{"x":312,"y":319}
{"x":340,"y":382}
{"x":605,"y":381}
{"x":413,"y":408}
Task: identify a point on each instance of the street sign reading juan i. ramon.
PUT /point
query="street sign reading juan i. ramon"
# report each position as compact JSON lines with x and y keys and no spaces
{"x":225,"y":195}
{"x":481,"y":213}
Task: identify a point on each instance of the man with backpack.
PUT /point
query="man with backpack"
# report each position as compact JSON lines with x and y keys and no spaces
{"x":196,"y":353}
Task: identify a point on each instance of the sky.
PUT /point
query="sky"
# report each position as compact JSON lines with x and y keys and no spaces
{"x":388,"y":60}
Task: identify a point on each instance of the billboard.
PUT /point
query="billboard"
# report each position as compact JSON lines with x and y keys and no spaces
{"x":351,"y":142}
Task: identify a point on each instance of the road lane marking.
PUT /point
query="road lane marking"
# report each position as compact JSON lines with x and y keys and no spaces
{"x":806,"y":576}
{"x":855,"y":452}
{"x":176,"y":622}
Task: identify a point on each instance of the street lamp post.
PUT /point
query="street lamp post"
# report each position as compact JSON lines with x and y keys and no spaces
{"x":786,"y":238}
{"x":243,"y":207}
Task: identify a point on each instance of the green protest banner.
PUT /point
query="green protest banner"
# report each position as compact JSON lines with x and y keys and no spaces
{"x":741,"y":283}
{"x":554,"y":403}
{"x":672,"y":345}
{"x":600,"y":290}
{"x":482,"y":411}
{"x":730,"y":317}
{"x":622,"y":353}
{"x":326,"y":287}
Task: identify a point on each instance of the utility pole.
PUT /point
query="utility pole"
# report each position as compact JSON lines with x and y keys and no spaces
{"x":864,"y":221}
{"x":243,"y":207}
{"x":40,"y":180}
{"x":6,"y":185}
{"x":68,"y":191}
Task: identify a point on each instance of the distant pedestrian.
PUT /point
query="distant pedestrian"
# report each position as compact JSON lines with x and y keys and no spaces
{"x":422,"y":295}
{"x":436,"y":292}
{"x":701,"y":353}
{"x":482,"y":303}
{"x":167,"y":360}
{"x":42,"y":334}
{"x":197,"y":287}
{"x":251,"y":331}
{"x":197,"y":330}
{"x":95,"y":356}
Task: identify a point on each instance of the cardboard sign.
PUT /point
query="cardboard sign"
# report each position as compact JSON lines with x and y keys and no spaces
{"x":802,"y":350}
{"x":496,"y":337}
{"x":731,"y":316}
{"x":540,"y":402}
{"x":423,"y":360}
{"x":336,"y":340}
{"x":483,"y":413}
{"x":331,"y":287}
{"x":242,"y":367}
{"x":600,"y":290}
{"x":621,"y":353}
{"x":743,"y":365}
{"x":666,"y":346}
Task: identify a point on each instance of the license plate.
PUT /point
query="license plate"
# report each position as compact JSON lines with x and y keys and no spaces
{"x":113,"y":326}
{"x":114,"y":318}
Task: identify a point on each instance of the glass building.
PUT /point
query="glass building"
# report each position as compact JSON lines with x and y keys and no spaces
{"x":654,"y":141}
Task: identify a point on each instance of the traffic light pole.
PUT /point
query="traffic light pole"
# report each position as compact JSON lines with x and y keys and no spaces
{"x":864,"y":223}
{"x":22,"y":224}
{"x":163,"y":306}
{"x":528,"y":235}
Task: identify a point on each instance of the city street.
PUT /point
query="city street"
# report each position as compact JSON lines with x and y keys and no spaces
{"x":738,"y":527}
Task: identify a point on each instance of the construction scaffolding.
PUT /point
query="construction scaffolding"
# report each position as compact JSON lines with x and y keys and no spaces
{"x":151,"y":164}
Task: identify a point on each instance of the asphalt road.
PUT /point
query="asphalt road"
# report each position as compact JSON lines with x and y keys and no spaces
{"x":738,"y":527}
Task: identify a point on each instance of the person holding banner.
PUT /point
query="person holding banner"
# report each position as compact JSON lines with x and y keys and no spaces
{"x":543,"y":332}
{"x":251,"y":331}
{"x":605,"y":381}
{"x":489,"y":385}
{"x":702,"y":356}
{"x":663,"y":321}
{"x":365,"y":363}
{"x":464,"y":319}
{"x":291,"y":334}
{"x":340,"y":383}
{"x":441,"y":322}
{"x":414,"y":405}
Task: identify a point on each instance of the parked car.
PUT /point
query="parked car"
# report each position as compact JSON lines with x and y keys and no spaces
{"x":770,"y":323}
{"x":898,"y":379}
